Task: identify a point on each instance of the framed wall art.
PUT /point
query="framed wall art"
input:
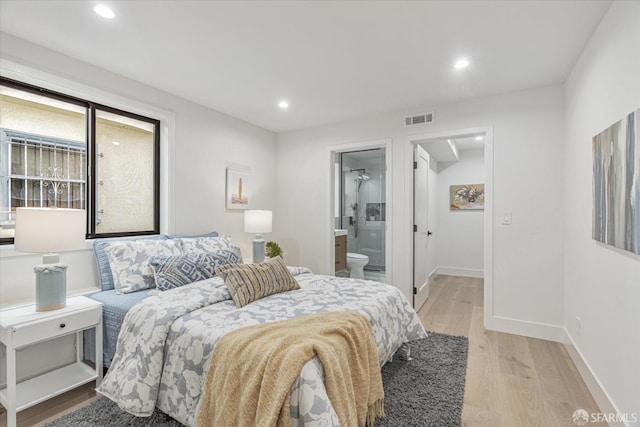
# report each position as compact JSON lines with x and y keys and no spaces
{"x":466,"y":197}
{"x":616,"y":184}
{"x":238,"y":187}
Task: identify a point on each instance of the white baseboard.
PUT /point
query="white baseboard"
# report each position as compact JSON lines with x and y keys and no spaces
{"x":548,"y":332}
{"x":432,"y":275}
{"x":560,"y":334}
{"x":599,"y":393}
{"x":528,"y":329}
{"x":464,"y":272}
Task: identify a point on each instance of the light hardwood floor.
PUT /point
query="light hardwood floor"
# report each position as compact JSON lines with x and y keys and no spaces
{"x":512,"y":381}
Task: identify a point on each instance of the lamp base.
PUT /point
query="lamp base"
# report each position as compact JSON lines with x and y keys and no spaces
{"x":258,"y":249}
{"x":51,"y":286}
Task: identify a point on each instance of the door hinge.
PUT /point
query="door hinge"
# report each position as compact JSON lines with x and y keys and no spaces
{"x":415,"y":290}
{"x":415,"y":228}
{"x":415,"y":165}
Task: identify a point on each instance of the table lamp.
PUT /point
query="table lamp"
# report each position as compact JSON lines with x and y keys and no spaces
{"x":48,"y":231}
{"x":258,"y":222}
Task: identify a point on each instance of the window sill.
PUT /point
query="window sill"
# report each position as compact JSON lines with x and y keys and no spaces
{"x":8,"y":251}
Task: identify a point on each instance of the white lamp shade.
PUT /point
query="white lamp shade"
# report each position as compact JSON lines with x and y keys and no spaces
{"x":257,"y":221}
{"x":50,"y":230}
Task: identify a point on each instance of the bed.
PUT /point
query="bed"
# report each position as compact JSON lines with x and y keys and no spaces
{"x":115,"y":304}
{"x":114,"y":308}
{"x":167,"y":340}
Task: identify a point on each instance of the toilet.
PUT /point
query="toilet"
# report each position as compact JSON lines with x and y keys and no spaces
{"x":356,"y":263}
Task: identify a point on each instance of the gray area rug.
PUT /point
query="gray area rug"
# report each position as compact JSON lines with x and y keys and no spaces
{"x":425,"y":391}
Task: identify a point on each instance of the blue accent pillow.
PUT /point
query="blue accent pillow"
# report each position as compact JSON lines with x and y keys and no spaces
{"x":175,"y":271}
{"x":102,"y":259}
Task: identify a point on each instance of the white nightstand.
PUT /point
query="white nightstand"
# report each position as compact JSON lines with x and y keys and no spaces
{"x":22,"y":327}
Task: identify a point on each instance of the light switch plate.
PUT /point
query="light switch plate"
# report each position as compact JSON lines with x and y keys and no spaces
{"x":506,"y":218}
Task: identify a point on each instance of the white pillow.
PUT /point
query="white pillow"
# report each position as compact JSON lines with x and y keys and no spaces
{"x":129,"y":262}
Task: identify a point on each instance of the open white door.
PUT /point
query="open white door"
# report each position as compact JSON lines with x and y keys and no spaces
{"x":420,"y":228}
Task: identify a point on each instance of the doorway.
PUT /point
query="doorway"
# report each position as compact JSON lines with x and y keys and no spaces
{"x":445,"y":157}
{"x":360,"y":178}
{"x":362,"y":211}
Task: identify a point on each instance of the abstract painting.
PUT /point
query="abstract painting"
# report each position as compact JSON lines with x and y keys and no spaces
{"x":238,"y":189}
{"x":466,"y":197}
{"x":616,"y":184}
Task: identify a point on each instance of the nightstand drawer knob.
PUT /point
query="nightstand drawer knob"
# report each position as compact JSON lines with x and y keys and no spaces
{"x":62,"y":325}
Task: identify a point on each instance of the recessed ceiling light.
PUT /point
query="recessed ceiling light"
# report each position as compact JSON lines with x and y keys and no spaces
{"x":461,"y":63}
{"x":479,"y":138}
{"x":104,"y":11}
{"x":283,"y":104}
{"x":115,"y":142}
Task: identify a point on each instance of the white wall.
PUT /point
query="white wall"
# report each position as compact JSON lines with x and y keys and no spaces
{"x":460,"y":232}
{"x":200,"y":143}
{"x":528,"y":136}
{"x":602,"y":284}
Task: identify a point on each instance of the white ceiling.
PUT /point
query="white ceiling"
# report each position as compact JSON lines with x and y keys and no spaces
{"x":469,"y":143}
{"x":449,"y":149}
{"x":332,"y":60}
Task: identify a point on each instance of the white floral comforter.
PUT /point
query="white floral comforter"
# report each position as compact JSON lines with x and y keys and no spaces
{"x":166,"y":341}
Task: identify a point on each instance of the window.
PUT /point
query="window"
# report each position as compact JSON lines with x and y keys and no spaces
{"x":125,"y":172}
{"x":42,"y":172}
{"x":51,"y":145}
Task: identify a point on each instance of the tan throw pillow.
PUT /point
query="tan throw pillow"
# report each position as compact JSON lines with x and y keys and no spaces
{"x":250,"y":282}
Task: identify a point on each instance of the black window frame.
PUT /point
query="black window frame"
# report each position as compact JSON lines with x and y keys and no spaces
{"x":91,"y":157}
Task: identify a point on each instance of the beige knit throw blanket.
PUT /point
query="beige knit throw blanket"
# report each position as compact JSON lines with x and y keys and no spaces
{"x":252,"y":370}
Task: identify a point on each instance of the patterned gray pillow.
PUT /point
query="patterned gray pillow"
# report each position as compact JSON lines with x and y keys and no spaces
{"x":175,"y":271}
{"x":205,"y":244}
{"x":129,"y":262}
{"x":102,"y":260}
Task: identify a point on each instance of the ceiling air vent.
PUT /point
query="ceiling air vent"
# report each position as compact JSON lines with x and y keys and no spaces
{"x":418,"y":119}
